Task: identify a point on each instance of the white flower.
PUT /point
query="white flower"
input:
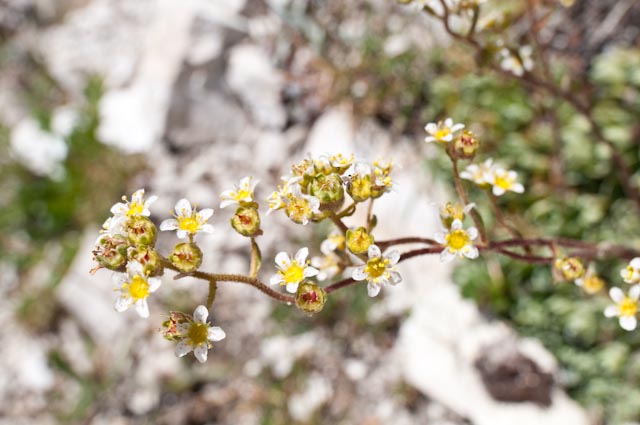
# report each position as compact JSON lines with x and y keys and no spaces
{"x":197,"y":335}
{"x":292,"y":272}
{"x":379,"y":270}
{"x":632,"y":273}
{"x":278,"y":199}
{"x":442,"y":131}
{"x":625,"y":308}
{"x":299,"y":207}
{"x":188,"y":221}
{"x":328,"y":265}
{"x":335,"y":240}
{"x":478,"y":173}
{"x":517,"y":64}
{"x":134,"y":288}
{"x":457,"y":241}
{"x":503,"y":181}
{"x":382,"y":174}
{"x":115,"y":225}
{"x":242,"y":192}
{"x":137,"y":205}
{"x":340,"y":161}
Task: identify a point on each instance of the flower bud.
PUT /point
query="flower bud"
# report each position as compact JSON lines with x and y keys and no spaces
{"x":148,"y":257}
{"x":569,"y":268}
{"x":310,"y":298}
{"x":111,"y":252}
{"x":359,"y":188}
{"x":141,"y":230}
{"x":170,"y":326}
{"x":466,"y":145}
{"x":358,"y":241}
{"x":328,"y":189}
{"x":186,"y":257}
{"x":451,"y":212}
{"x":246,"y":221}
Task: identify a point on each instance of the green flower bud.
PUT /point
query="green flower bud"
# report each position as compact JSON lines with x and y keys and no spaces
{"x":310,"y":298}
{"x":141,"y":230}
{"x":149,"y":259}
{"x":170,"y":326}
{"x":246,"y":221}
{"x":111,"y":252}
{"x":359,"y":188}
{"x":358,"y":241}
{"x":328,"y":189}
{"x":186,"y":257}
{"x":466,"y":145}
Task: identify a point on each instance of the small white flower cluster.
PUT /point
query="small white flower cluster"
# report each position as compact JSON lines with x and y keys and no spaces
{"x":488,"y":174}
{"x":292,"y":271}
{"x":626,"y":305}
{"x":318,"y":186}
{"x":517,"y":63}
{"x":442,"y":131}
{"x":380,"y":269}
{"x":457,"y":241}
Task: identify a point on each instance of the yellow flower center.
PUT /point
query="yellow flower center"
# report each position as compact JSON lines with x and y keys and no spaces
{"x":298,"y":209}
{"x":504,"y":182}
{"x":593,"y":284}
{"x":376,"y":267}
{"x":628,"y":307}
{"x":190,"y":224}
{"x":135,"y":209}
{"x":138,"y":288}
{"x":198,"y":333}
{"x":457,"y":239}
{"x":442,"y":133}
{"x":242,"y":194}
{"x":361,"y":187}
{"x":295,"y":273}
{"x":630,"y":271}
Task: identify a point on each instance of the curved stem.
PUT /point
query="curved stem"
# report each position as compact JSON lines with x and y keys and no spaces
{"x":338,"y":222}
{"x":404,"y":241}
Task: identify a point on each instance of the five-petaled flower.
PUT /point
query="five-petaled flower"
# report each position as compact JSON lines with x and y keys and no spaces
{"x":442,"y":131}
{"x":625,"y":308}
{"x":241,"y":193}
{"x":134,"y":288}
{"x":137,"y":206}
{"x":504,"y":180}
{"x":379,"y":270}
{"x":196,"y":335}
{"x":188,"y":221}
{"x":292,"y":271}
{"x":457,"y":241}
{"x":478,"y":173}
{"x":631,"y":274}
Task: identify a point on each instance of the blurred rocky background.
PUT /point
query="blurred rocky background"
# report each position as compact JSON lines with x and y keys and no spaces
{"x":101,"y":97}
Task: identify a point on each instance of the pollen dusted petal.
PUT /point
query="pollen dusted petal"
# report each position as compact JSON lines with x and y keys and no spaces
{"x":201,"y":352}
{"x":183,"y":208}
{"x":182,"y":349}
{"x":200,"y":314}
{"x":216,"y":333}
{"x":359,"y":273}
{"x":393,"y":256}
{"x":373,"y":251}
{"x":373,"y":289}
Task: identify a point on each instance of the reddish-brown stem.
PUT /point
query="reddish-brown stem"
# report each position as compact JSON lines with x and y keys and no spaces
{"x":404,"y":241}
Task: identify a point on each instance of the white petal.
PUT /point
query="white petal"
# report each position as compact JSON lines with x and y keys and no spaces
{"x":470,"y":252}
{"x":154,"y":284}
{"x":628,"y":323}
{"x":373,"y":289}
{"x":374,"y":251}
{"x":448,"y":137}
{"x":227,"y":202}
{"x":201,"y":352}
{"x":206,"y":214}
{"x":429,"y":139}
{"x":466,"y":175}
{"x":616,"y":294}
{"x":292,"y":287}
{"x":448,"y":122}
{"x":446,"y":255}
{"x":395,"y":277}
{"x":142,"y":308}
{"x":498,"y":191}
{"x":310,"y":271}
{"x":457,"y":127}
{"x":301,"y":255}
{"x":119,"y":279}
{"x":169,"y":224}
{"x":359,"y":273}
{"x":216,"y":333}
{"x":472,"y":232}
{"x":635,"y":263}
{"x":518,"y":188}
{"x":181,"y":234}
{"x":183,"y":208}
{"x":283,"y":261}
{"x":134,"y":268}
{"x":182,"y":349}
{"x":150,"y":201}
{"x":119,"y":208}
{"x":183,"y":328}
{"x":440,"y":237}
{"x":431,"y":128}
{"x":137,"y":196}
{"x":611,"y":311}
{"x":200,"y":314}
{"x":579,"y":281}
{"x":206,"y":228}
{"x":276,"y":279}
{"x":468,"y":207}
{"x":393,"y":256}
{"x":634,"y":292}
{"x":456,"y":225}
{"x":122,"y":303}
